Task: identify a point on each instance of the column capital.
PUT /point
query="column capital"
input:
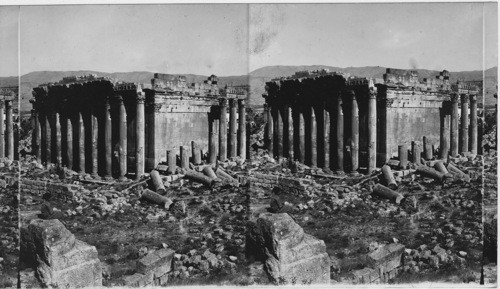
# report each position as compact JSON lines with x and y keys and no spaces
{"x":473,"y":97}
{"x":223,"y":102}
{"x":351,"y":94}
{"x":119,"y":98}
{"x":241,"y":101}
{"x":464,"y":98}
{"x":454,"y":97}
{"x":8,"y":103}
{"x":141,"y":97}
{"x":372,"y":94}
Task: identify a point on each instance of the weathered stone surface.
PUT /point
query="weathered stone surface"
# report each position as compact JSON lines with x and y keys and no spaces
{"x":62,"y":260}
{"x":291,"y":255}
{"x":154,"y":260}
{"x":388,"y":257}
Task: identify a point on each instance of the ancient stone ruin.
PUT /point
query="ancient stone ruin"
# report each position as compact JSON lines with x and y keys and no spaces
{"x":339,"y":122}
{"x":61,"y":260}
{"x":111,"y":129}
{"x":8,"y":148}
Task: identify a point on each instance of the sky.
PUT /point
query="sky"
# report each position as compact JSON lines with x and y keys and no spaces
{"x":233,"y":39}
{"x":9,"y":20}
{"x":422,"y":35}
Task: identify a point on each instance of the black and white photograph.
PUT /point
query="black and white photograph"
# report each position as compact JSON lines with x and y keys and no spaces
{"x":248,"y":144}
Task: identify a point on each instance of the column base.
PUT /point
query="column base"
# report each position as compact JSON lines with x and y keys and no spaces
{"x":122,"y":178}
{"x":108,"y":178}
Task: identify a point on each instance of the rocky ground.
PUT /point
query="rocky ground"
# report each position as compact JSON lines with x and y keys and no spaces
{"x":9,"y":249}
{"x":204,"y":226}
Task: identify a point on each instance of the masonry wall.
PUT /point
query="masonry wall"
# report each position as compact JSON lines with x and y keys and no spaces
{"x":178,"y":123}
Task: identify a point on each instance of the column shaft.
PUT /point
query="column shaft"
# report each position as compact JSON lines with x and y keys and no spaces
{"x":444,"y":141}
{"x":454,"y":126}
{"x":278,"y":130}
{"x":107,"y":141}
{"x":270,"y":132}
{"x":37,"y":134}
{"x":314,"y":140}
{"x":81,"y":144}
{"x":289,"y":124}
{"x":354,"y":133}
{"x":213,"y":137}
{"x":57,"y":147}
{"x":48,"y":140}
{"x":339,"y":135}
{"x":302,"y":138}
{"x":473,"y":124}
{"x":223,"y":131}
{"x":69,"y":143}
{"x":94,"y":133}
{"x":326,"y":118}
{"x":233,"y":128}
{"x":242,"y":130}
{"x":2,"y":130}
{"x":9,"y":130}
{"x":372,"y":132}
{"x":140,"y":129}
{"x":464,"y":124}
{"x":122,"y":139}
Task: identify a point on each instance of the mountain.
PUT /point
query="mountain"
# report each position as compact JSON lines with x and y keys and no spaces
{"x":257,"y":79}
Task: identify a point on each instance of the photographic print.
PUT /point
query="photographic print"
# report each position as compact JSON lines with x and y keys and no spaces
{"x":331,"y":144}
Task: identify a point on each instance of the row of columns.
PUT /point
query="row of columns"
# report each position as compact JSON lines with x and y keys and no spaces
{"x":7,"y":132}
{"x":237,"y":131}
{"x":467,"y":133}
{"x":275,"y":128}
{"x":42,"y":139}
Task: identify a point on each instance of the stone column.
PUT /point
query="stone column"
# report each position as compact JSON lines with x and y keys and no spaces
{"x":464,"y":124}
{"x":9,"y":130}
{"x":372,"y":131}
{"x":69,"y":143}
{"x":94,"y":133}
{"x":107,"y":141}
{"x":139,"y":135}
{"x":339,"y":134}
{"x":185,"y":158}
{"x":278,"y":131}
{"x":223,"y":131}
{"x":2,"y":130}
{"x":213,"y":137}
{"x":81,"y":144}
{"x":473,"y":124}
{"x":233,"y":127}
{"x":444,"y":132}
{"x":270,"y":132}
{"x":326,"y":118}
{"x":57,"y":147}
{"x":354,"y":132}
{"x":37,"y":134}
{"x":454,"y":125}
{"x":242,"y":130}
{"x":302,"y":138}
{"x":289,"y":124}
{"x":314,"y":140}
{"x":122,"y":138}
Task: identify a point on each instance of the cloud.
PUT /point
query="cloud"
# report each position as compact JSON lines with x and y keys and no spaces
{"x":266,"y":22}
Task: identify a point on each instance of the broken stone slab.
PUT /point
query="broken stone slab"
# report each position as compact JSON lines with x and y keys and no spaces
{"x":200,"y":178}
{"x":157,"y":182}
{"x":389,"y":177}
{"x":387,"y":257}
{"x":153,"y":197}
{"x":385,"y":192}
{"x":158,"y":262}
{"x":50,"y":238}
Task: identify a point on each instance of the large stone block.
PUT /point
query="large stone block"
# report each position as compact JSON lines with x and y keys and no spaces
{"x":160,"y":259}
{"x":87,"y":274}
{"x":50,"y":238}
{"x":291,"y":255}
{"x":388,"y":257}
